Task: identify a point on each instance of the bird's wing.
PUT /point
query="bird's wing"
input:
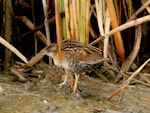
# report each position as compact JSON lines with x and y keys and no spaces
{"x":85,"y":58}
{"x":92,"y":59}
{"x":77,"y":46}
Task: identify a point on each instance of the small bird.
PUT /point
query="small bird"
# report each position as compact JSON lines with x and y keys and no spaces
{"x":75,"y":56}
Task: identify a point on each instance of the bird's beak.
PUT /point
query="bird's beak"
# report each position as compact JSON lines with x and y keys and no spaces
{"x":44,"y":53}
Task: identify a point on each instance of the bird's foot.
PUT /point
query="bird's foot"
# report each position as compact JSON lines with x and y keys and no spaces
{"x":76,"y":94}
{"x":63,"y":83}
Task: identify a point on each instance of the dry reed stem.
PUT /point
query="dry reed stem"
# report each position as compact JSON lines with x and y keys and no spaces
{"x":127,"y":64}
{"x":59,"y":31}
{"x":147,"y":7}
{"x":36,"y":58}
{"x":47,"y":29}
{"x":88,"y":16}
{"x":124,"y":8}
{"x":50,"y":21}
{"x":139,"y":81}
{"x":18,"y":74}
{"x":107,"y":28}
{"x":35,"y":35}
{"x":142,"y":75}
{"x":66,"y":5}
{"x":46,"y":22}
{"x":30,"y":25}
{"x":48,"y":5}
{"x":123,"y":27}
{"x":13,"y":49}
{"x":139,"y":11}
{"x":129,"y":74}
{"x":117,"y":6}
{"x":20,"y":64}
{"x":145,"y":79}
{"x":42,"y":37}
{"x":112,"y":56}
{"x":117,"y":35}
{"x":99,"y":16}
{"x":37,"y":72}
{"x":127,"y":82}
{"x":24,"y":4}
{"x":138,"y":37}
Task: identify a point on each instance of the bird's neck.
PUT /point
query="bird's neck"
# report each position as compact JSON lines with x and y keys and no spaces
{"x":53,"y":53}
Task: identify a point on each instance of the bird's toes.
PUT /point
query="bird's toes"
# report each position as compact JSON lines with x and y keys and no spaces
{"x":62,"y":84}
{"x":76,"y":95}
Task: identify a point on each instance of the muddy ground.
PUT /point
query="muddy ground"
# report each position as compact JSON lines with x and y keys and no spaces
{"x":43,"y":95}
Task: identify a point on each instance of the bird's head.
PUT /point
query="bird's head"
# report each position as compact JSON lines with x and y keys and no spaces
{"x":51,"y":50}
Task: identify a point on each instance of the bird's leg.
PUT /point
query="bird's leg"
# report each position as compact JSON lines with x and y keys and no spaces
{"x":76,"y":82}
{"x":67,"y":78}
